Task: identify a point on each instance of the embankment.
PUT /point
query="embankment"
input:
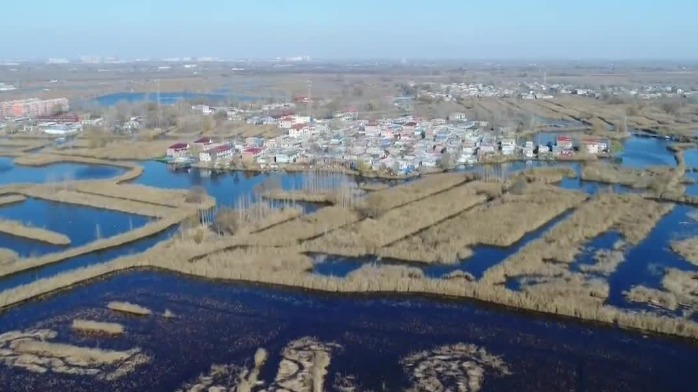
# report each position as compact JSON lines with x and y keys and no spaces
{"x":33,"y":233}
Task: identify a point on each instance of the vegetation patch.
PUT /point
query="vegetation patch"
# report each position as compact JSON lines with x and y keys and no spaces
{"x":33,"y":233}
{"x":127,"y":307}
{"x":687,"y":248}
{"x":11,"y":199}
{"x":97,"y":327}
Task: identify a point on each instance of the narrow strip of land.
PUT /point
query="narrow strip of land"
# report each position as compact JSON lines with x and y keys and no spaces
{"x":33,"y":233}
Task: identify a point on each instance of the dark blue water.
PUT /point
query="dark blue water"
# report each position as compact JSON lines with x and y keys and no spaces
{"x":604,"y":241}
{"x":482,"y":259}
{"x":226,"y":187}
{"x":226,"y":323}
{"x":640,"y":153}
{"x":645,"y":262}
{"x":13,"y":174}
{"x":168,"y":98}
{"x":691,"y":158}
{"x":82,"y":224}
{"x":86,"y":260}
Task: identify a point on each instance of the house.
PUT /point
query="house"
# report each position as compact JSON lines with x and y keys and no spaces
{"x":178,"y":150}
{"x":458,"y":117}
{"x":251,"y":152}
{"x":564,"y":142}
{"x":203,"y":143}
{"x":217,"y":153}
{"x":297,"y":130}
{"x":591,"y":146}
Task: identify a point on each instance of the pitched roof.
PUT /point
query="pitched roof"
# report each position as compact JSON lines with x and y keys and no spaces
{"x":177,"y":146}
{"x":203,"y":140}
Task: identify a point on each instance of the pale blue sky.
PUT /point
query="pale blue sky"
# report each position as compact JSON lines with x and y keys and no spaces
{"x":454,"y":29}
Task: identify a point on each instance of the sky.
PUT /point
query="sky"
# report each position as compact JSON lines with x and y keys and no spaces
{"x":352,"y":29}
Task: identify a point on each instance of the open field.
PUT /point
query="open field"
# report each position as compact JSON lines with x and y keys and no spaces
{"x":11,"y":199}
{"x":501,"y":222}
{"x":33,"y":233}
{"x":633,"y":217}
{"x":97,"y":327}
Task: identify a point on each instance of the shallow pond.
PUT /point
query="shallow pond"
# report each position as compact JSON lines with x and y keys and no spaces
{"x":226,"y":323}
{"x":81,"y":224}
{"x":14,"y":174}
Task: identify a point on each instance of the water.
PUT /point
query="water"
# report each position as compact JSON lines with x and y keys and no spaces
{"x":645,"y":262}
{"x":226,"y":323}
{"x":641,"y":152}
{"x":101,"y":257}
{"x":168,"y":98}
{"x":11,"y":174}
{"x":81,"y":224}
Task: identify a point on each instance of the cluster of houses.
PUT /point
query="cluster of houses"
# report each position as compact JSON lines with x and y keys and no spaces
{"x":399,"y":145}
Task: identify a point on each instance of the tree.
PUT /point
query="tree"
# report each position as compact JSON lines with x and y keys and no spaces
{"x":196,"y":194}
{"x":227,"y":221}
{"x":448,"y":161}
{"x":220,"y":116}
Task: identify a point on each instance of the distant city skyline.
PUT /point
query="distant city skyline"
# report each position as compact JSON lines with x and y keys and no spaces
{"x":334,"y":30}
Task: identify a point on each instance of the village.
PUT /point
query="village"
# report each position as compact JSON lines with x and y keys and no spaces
{"x":398,"y":146}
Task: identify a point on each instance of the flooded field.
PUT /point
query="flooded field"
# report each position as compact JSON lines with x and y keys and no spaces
{"x":226,"y":324}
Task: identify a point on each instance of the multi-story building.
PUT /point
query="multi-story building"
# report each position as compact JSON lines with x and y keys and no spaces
{"x":33,"y":107}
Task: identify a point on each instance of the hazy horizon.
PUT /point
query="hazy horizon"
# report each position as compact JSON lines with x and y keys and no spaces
{"x":536,"y":30}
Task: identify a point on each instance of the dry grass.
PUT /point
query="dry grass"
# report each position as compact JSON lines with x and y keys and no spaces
{"x":501,"y":222}
{"x":415,"y":190}
{"x":292,"y":196}
{"x":372,"y":187}
{"x":33,"y":233}
{"x":642,"y":294}
{"x":656,"y":179}
{"x":140,"y":193}
{"x":127,"y":307}
{"x":633,"y":217}
{"x":7,"y":256}
{"x":303,"y":365}
{"x":687,"y":248}
{"x":370,"y":235}
{"x":128,"y":206}
{"x":606,"y":261}
{"x":11,"y":199}
{"x":89,"y":326}
{"x":120,"y":150}
{"x":46,"y":159}
{"x":577,"y":287}
{"x":548,"y":175}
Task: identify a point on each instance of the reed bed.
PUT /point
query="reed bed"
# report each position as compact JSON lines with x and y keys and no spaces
{"x":168,"y":257}
{"x":501,"y":222}
{"x":50,"y":193}
{"x":370,"y":235}
{"x":7,"y":256}
{"x":373,"y":187}
{"x":580,"y":288}
{"x":655,"y":178}
{"x":140,"y":193}
{"x":293,"y":196}
{"x":50,"y":159}
{"x":11,"y":199}
{"x":120,"y":150}
{"x":112,"y":242}
{"x":304,"y":227}
{"x":97,"y":327}
{"x":632,"y":216}
{"x":127,"y":307}
{"x":548,"y":175}
{"x":687,"y":248}
{"x":18,"y":229}
{"x":406,"y":193}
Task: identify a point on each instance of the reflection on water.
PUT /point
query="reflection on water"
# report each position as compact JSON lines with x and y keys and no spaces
{"x":14,"y":174}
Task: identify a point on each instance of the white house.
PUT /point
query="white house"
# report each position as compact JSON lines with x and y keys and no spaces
{"x":459,"y":117}
{"x":218,"y":153}
{"x":298,"y":130}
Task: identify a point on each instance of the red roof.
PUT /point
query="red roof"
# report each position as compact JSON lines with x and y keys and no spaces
{"x":179,"y":146}
{"x":253,"y":150}
{"x":218,"y":149}
{"x":411,"y":124}
{"x":298,"y":126}
{"x":203,"y":140}
{"x":564,"y":139}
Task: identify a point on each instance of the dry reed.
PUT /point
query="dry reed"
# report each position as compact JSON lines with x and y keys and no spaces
{"x":655,"y":178}
{"x":33,"y":233}
{"x":305,"y":196}
{"x":140,"y":193}
{"x":632,"y":216}
{"x":11,"y":199}
{"x":687,"y":248}
{"x":501,"y":222}
{"x":98,"y":327}
{"x":127,"y":307}
{"x":7,"y":256}
{"x":548,"y":175}
{"x":50,"y":159}
{"x":120,"y":150}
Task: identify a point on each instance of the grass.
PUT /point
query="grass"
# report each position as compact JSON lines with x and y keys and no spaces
{"x":501,"y":222}
{"x":11,"y":199}
{"x":372,"y":187}
{"x":127,"y":307}
{"x":89,"y":326}
{"x":632,"y":216}
{"x":17,"y":229}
